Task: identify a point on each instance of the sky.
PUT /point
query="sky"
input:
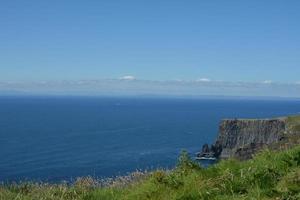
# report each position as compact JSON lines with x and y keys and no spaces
{"x":151,"y":45}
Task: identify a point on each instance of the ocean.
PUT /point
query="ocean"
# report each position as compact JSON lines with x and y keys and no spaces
{"x":60,"y":138}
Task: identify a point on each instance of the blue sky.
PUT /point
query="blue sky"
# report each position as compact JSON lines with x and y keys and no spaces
{"x":166,"y":40}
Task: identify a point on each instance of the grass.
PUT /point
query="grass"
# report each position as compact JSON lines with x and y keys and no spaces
{"x":269,"y":175}
{"x":294,"y":123}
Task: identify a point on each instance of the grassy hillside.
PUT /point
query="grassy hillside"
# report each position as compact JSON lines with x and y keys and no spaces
{"x":270,"y":175}
{"x":294,"y":123}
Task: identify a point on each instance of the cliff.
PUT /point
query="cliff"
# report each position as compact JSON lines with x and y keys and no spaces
{"x":241,"y":138}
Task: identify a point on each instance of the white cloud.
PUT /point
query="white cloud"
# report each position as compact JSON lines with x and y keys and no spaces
{"x":203,"y":80}
{"x":267,"y":82}
{"x":127,"y":78}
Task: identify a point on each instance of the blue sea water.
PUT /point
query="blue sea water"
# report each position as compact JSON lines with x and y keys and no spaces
{"x":61,"y":138}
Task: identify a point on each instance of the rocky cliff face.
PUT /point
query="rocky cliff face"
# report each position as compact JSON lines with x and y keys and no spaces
{"x":241,"y":138}
{"x":236,"y":135}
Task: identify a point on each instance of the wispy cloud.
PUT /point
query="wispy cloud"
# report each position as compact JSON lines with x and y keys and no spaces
{"x":126,"y":86}
{"x":203,"y":80}
{"x":127,"y":78}
{"x":267,"y":82}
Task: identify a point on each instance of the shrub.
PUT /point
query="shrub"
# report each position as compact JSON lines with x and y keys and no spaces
{"x":185,"y":163}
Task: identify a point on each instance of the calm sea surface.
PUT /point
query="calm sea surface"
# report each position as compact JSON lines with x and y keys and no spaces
{"x":60,"y":138}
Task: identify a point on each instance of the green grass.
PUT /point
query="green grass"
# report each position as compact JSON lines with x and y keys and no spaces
{"x":294,"y":123}
{"x":269,"y":175}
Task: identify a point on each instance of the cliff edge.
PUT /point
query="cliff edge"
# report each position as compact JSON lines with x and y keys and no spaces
{"x":241,"y":138}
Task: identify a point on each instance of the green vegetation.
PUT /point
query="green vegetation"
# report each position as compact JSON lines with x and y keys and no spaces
{"x":270,"y":175}
{"x":294,"y":123}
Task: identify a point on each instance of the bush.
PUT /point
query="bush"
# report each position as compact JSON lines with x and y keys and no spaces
{"x":185,"y":163}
